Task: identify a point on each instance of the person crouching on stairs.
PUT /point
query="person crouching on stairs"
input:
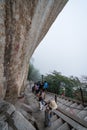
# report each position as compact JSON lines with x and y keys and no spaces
{"x":51,"y":105}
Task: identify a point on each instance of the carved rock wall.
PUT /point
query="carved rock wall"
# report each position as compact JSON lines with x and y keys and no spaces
{"x":23,"y":24}
{"x":2,"y":47}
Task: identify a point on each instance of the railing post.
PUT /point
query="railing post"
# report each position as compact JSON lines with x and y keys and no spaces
{"x":82,"y":96}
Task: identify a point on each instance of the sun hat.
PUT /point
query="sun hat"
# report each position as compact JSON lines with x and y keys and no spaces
{"x":53,"y":104}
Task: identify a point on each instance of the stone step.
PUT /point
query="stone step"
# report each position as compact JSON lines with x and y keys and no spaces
{"x":65,"y":126}
{"x":82,"y":114}
{"x":69,"y":103}
{"x":56,"y":124}
{"x":54,"y":117}
{"x":65,"y":101}
{"x":59,"y":104}
{"x":74,"y":105}
{"x":64,"y":107}
{"x":71,"y":108}
{"x":78,"y":109}
{"x":65,"y":104}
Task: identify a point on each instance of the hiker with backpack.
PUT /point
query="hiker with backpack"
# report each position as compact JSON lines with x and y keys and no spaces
{"x":51,"y":105}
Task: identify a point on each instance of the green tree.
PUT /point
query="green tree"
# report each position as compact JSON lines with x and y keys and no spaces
{"x":57,"y":82}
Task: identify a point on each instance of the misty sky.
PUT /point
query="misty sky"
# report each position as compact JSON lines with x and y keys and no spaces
{"x":64,"y":47}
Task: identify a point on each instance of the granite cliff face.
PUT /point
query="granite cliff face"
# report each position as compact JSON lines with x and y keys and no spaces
{"x":23,"y":24}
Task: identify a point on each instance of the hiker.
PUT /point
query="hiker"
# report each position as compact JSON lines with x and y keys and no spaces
{"x":41,"y":85}
{"x":45,"y":86}
{"x":36,"y":88}
{"x":41,"y":96}
{"x":51,"y":105}
{"x":33,"y":88}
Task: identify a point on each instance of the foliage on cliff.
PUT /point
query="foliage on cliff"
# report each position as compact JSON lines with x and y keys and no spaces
{"x":33,"y":73}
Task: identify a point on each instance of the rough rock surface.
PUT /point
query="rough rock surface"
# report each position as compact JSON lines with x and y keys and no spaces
{"x":20,"y":116}
{"x":23,"y":24}
{"x":10,"y":118}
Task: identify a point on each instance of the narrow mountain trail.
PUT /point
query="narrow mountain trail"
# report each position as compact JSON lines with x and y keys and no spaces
{"x":40,"y":118}
{"x":59,"y":120}
{"x":36,"y":113}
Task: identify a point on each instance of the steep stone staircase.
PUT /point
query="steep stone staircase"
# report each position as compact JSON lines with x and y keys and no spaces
{"x":73,"y":110}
